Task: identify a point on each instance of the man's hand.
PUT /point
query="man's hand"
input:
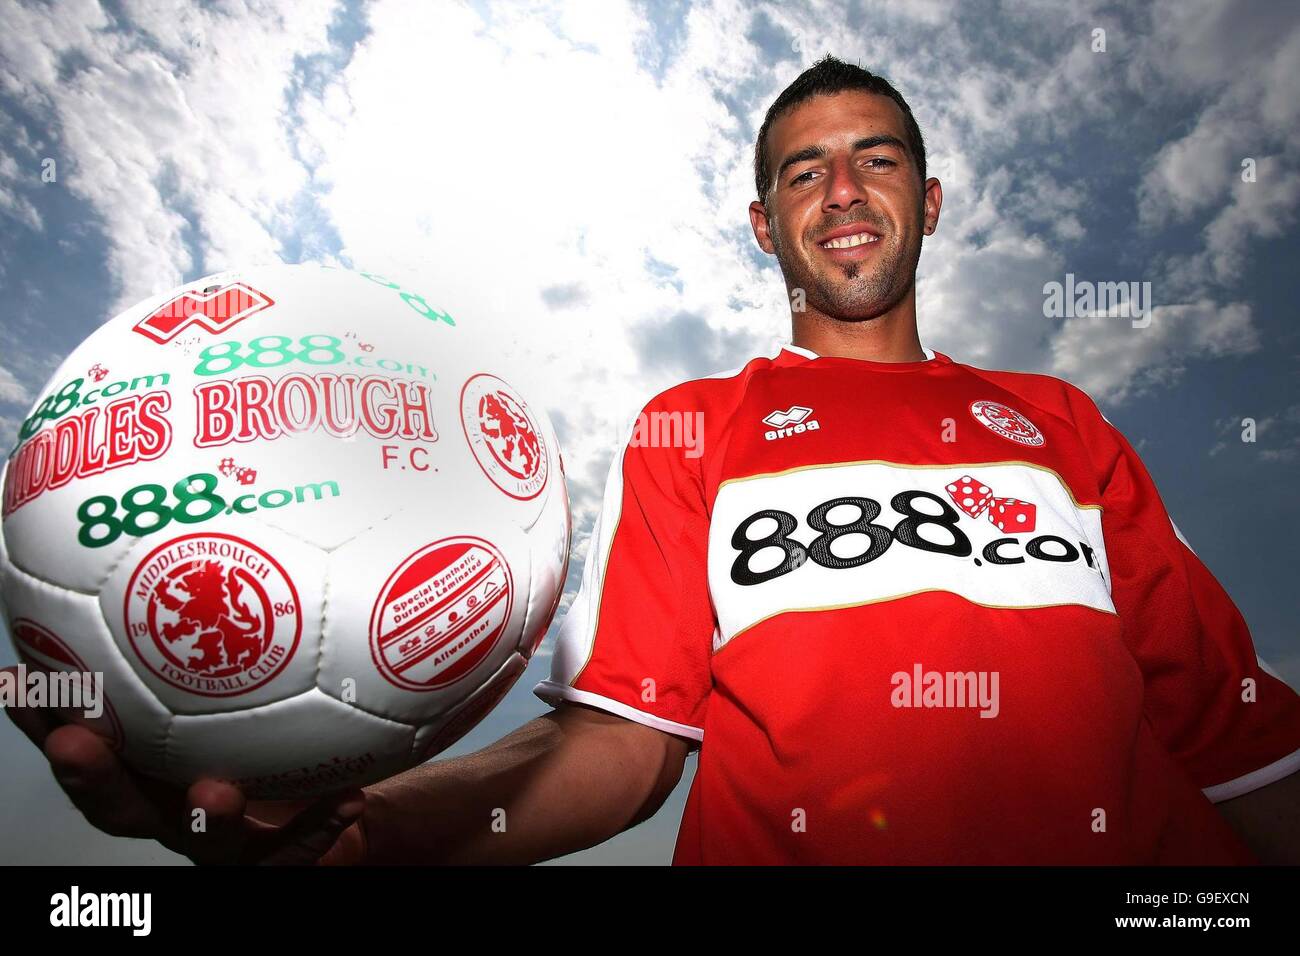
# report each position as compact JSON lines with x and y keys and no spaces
{"x":567,"y":780}
{"x":121,"y":802}
{"x":562,"y":782}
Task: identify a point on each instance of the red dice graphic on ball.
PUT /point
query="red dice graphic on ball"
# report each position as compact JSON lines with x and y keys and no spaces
{"x":1012,"y":516}
{"x":970,"y":495}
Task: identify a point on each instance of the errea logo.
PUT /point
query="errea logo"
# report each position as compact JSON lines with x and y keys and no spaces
{"x":215,"y":309}
{"x":793,"y":421}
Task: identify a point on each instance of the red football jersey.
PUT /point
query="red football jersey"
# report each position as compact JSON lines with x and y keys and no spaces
{"x":917,"y":613}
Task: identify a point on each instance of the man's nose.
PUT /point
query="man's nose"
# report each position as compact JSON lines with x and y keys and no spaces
{"x":844,"y":187}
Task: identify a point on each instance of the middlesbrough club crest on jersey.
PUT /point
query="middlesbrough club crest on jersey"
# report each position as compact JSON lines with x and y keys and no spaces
{"x":1007,"y":422}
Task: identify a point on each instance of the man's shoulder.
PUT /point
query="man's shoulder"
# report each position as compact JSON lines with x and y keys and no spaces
{"x":713,"y":389}
{"x":1053,"y":394}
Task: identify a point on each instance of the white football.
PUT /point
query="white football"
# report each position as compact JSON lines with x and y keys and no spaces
{"x":297,"y":517}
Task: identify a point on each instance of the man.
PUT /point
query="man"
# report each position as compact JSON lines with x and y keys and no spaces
{"x":908,"y":611}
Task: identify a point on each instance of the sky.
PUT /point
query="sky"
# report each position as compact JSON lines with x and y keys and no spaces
{"x":581,"y":172}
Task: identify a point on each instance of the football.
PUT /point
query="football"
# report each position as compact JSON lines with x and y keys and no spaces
{"x":296,"y":520}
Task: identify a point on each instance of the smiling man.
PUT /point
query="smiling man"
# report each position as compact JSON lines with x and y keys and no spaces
{"x":908,"y":611}
{"x":877,"y":537}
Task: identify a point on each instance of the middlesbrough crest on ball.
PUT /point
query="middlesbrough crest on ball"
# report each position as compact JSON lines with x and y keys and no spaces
{"x":505,"y":439}
{"x":212,"y":614}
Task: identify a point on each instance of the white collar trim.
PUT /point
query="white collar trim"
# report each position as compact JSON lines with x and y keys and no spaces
{"x":808,"y":353}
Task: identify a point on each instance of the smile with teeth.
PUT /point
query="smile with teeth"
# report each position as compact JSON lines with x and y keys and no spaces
{"x":848,"y":242}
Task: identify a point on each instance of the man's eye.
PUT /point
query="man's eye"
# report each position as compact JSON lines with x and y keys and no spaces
{"x":877,"y":162}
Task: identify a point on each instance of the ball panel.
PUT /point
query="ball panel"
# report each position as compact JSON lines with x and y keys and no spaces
{"x":221,"y":619}
{"x":56,"y":629}
{"x":301,"y":747}
{"x":433,"y":604}
{"x":435,"y":737}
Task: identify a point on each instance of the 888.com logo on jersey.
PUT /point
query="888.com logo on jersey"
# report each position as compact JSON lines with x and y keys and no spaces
{"x":1006,"y":535}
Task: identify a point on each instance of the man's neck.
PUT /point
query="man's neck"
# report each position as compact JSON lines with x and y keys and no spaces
{"x":890,"y":337}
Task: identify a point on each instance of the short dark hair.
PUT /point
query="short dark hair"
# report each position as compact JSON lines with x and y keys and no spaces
{"x":826,"y":77}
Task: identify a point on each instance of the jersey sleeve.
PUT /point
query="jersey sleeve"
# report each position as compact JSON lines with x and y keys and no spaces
{"x":1232,"y":725}
{"x":637,"y":639}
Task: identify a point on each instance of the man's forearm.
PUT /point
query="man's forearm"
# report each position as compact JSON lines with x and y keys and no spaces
{"x":549,"y":788}
{"x":1268,"y":820}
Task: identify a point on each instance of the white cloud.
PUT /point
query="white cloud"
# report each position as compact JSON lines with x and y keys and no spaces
{"x":1234,"y":63}
{"x":19,"y":208}
{"x":11,"y":390}
{"x":1275,"y":437}
{"x":15,"y":177}
{"x":553,"y":161}
{"x":1109,"y":358}
{"x":982,"y":303}
{"x":176,"y":122}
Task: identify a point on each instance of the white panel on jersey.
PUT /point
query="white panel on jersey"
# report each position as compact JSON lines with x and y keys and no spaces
{"x":575,"y":638}
{"x":1179,"y":535}
{"x":1049,"y":550}
{"x":577,"y":632}
{"x":1255,"y":779}
{"x":1263,"y":665}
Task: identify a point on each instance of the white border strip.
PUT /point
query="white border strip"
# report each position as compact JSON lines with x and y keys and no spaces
{"x":1255,"y":779}
{"x":1263,"y":665}
{"x":575,"y":640}
{"x":553,"y":693}
{"x":809,"y":353}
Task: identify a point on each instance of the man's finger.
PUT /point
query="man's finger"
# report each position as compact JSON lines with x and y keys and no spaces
{"x":350,"y":849}
{"x":215,"y":829}
{"x":35,"y":722}
{"x":100,"y":785}
{"x":309,"y":836}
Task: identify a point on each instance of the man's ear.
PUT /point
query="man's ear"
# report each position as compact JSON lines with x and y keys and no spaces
{"x":759,"y":221}
{"x":932,"y":202}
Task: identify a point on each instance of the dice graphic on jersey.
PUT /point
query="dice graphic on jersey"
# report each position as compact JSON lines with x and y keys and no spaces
{"x":970,"y":495}
{"x":1011,"y":515}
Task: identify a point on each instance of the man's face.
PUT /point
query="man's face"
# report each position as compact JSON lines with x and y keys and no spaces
{"x":865,"y":180}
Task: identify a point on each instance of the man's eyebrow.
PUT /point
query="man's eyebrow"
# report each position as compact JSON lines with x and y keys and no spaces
{"x":819,"y":152}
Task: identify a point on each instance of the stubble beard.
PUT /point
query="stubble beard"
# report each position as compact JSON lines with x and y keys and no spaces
{"x":851,"y":291}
